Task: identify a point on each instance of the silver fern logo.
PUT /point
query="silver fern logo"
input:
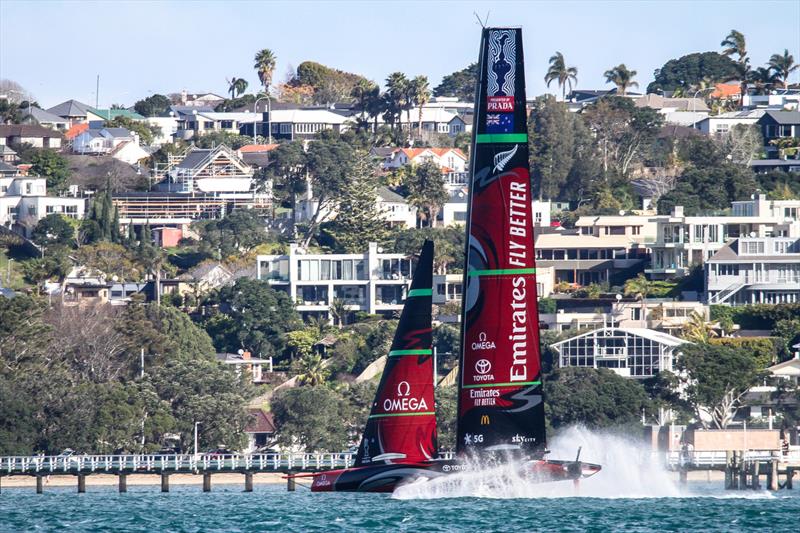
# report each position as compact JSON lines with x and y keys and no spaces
{"x":502,"y":159}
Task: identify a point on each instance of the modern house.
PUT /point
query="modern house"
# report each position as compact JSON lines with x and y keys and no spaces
{"x":37,"y":136}
{"x":119,"y":143}
{"x":202,"y":122}
{"x":749,"y":270}
{"x":684,"y":241}
{"x":72,"y":110}
{"x":374,"y":282}
{"x":776,"y":125}
{"x":305,"y":123}
{"x":24,"y":201}
{"x":630,"y":352}
{"x":723,"y":123}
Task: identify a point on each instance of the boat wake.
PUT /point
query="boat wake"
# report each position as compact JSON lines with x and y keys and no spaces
{"x":630,"y":470}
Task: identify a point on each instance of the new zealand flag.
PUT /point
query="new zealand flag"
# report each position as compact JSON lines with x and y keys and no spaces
{"x":500,"y":123}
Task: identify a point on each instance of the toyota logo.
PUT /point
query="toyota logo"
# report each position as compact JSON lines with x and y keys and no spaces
{"x":483,"y":366}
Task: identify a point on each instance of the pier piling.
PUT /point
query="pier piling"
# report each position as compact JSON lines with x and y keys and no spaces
{"x":81,"y":483}
{"x":39,"y":485}
{"x":123,"y":482}
{"x":164,"y":482}
{"x":789,"y":476}
{"x":207,"y":482}
{"x":772,"y":477}
{"x":754,"y":477}
{"x":248,"y":482}
{"x":290,"y":483}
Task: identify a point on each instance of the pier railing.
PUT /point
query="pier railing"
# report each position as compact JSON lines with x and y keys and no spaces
{"x":718,"y":459}
{"x":188,"y":463}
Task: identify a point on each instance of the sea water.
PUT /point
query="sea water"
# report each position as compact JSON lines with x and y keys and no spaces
{"x":632,"y":493}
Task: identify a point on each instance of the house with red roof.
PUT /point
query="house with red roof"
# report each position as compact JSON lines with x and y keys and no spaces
{"x":449,"y":159}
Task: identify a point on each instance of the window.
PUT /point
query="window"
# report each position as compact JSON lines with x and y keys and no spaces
{"x":752,"y":247}
{"x":286,"y":128}
{"x":615,"y":230}
{"x":790,"y":212}
{"x":721,"y":128}
{"x":637,"y":230}
{"x":3,"y":188}
{"x":454,"y":291}
{"x":32,"y":210}
{"x":728,"y":270}
{"x":28,"y":187}
{"x":208,"y":125}
{"x":226,"y":124}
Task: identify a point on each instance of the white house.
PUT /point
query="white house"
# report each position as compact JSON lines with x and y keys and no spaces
{"x":449,"y":159}
{"x":764,"y":270}
{"x":36,"y":136}
{"x":630,"y":352}
{"x":24,"y":201}
{"x":392,"y":207}
{"x":102,"y":140}
{"x":722,"y":124}
{"x":168,"y":127}
{"x":681,"y":111}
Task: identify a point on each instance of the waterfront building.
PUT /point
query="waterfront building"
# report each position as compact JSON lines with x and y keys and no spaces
{"x":749,"y":270}
{"x":685,"y":241}
{"x":630,"y":352}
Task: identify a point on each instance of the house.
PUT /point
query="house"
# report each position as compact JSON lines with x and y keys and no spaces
{"x":120,"y":143}
{"x":207,"y":276}
{"x":777,"y":125}
{"x":374,"y":282}
{"x":167,"y":128}
{"x":72,"y":110}
{"x":202,"y":122}
{"x":260,"y":431}
{"x":98,"y":117}
{"x":211,"y":170}
{"x":449,"y":159}
{"x":24,"y":201}
{"x":256,"y":155}
{"x":392,"y":207}
{"x":303,"y":123}
{"x":684,"y":241}
{"x":577,"y":99}
{"x":8,"y":155}
{"x":245,"y":362}
{"x":681,"y":111}
{"x":47,"y":119}
{"x":750,"y":270}
{"x":630,"y":352}
{"x":197,"y":99}
{"x":639,"y":229}
{"x":723,"y":123}
{"x":85,"y":287}
{"x":788,"y":369}
{"x":37,"y":136}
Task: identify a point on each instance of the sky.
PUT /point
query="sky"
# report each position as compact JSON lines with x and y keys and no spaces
{"x":56,"y":49}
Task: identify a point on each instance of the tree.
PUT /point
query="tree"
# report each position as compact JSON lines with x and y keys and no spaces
{"x":742,"y":144}
{"x":622,"y":77}
{"x":716,"y":379}
{"x":551,"y":140}
{"x":236,"y":86}
{"x":422,"y":95}
{"x":448,"y":246}
{"x":696,"y":329}
{"x":693,"y":71}
{"x":51,"y":165}
{"x":314,"y":418}
{"x":782,"y":65}
{"x":638,"y":287}
{"x":364,"y":93}
{"x":145,"y":131}
{"x":253,"y":316}
{"x":329,"y":85}
{"x":735,"y":44}
{"x":606,"y":399}
{"x":238,"y":232}
{"x":311,"y":370}
{"x":559,"y":72}
{"x":53,"y":229}
{"x":358,"y":220}
{"x":153,"y":106}
{"x":459,"y":84}
{"x":396,"y":97}
{"x":265,"y":62}
{"x":426,"y":189}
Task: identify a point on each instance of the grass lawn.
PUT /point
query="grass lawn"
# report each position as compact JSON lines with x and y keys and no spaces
{"x":15,"y":280}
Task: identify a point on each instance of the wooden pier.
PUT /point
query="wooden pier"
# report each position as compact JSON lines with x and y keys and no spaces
{"x":743,"y":469}
{"x":122,"y":466}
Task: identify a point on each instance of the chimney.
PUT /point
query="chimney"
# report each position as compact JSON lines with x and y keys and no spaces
{"x":677,"y":211}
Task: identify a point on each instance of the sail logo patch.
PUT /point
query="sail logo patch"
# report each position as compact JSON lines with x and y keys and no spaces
{"x":483,"y":366}
{"x":404,"y":401}
{"x":500,"y":104}
{"x":502,"y":63}
{"x":500,"y":123}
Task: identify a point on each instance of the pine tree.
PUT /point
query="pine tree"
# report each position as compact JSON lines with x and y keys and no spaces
{"x":106,"y":217}
{"x":131,"y":235}
{"x":115,"y":235}
{"x":358,"y":221}
{"x":147,"y":237}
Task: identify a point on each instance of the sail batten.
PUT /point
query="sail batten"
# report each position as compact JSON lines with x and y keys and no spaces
{"x":402,"y":422}
{"x":500,"y":401}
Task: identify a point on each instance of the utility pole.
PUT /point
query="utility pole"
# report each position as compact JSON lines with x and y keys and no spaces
{"x":141,"y":374}
{"x":195,"y":437}
{"x":97,"y":94}
{"x":434,"y":367}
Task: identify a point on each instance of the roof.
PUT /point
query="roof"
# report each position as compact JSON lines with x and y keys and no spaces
{"x":787,"y":368}
{"x":726,"y":90}
{"x":256,"y":159}
{"x":730,"y":252}
{"x":388,"y":195}
{"x":382,"y":151}
{"x":204,"y":269}
{"x":45,"y":117}
{"x":26,"y":130}
{"x":6,"y":150}
{"x":774,"y":162}
{"x":245,"y":116}
{"x":412,"y":153}
{"x":70,"y":108}
{"x":657,"y":101}
{"x":783,"y":117}
{"x":111,"y":114}
{"x":255,"y":148}
{"x":118,"y":132}
{"x":610,"y":220}
{"x":656,"y":336}
{"x":312,"y":116}
{"x":5,"y":168}
{"x":75,"y":130}
{"x":260,"y":422}
{"x":195,"y":158}
{"x":567,"y":240}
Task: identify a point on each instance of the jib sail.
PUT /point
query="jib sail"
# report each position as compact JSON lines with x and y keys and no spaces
{"x":402,"y":422}
{"x":500,"y":396}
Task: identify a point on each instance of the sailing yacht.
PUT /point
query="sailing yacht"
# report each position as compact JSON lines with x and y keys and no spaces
{"x":500,"y":400}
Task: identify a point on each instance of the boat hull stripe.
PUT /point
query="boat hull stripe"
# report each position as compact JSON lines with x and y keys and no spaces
{"x":420,"y":292}
{"x":500,"y":138}
{"x":501,"y":272}
{"x":397,"y":353}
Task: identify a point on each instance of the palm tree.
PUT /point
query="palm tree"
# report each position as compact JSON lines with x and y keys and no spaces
{"x":735,"y":44}
{"x":559,"y":71}
{"x":396,"y":95}
{"x":363,"y":92}
{"x":338,"y":309}
{"x":264,"y":64}
{"x":783,"y":66}
{"x":422,"y":95}
{"x":311,"y":370}
{"x":764,"y":79}
{"x":638,"y":287}
{"x":241,"y":86}
{"x":696,"y":329}
{"x":622,"y":77}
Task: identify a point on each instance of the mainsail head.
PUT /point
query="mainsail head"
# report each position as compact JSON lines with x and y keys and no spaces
{"x":402,"y":422}
{"x":500,"y":390}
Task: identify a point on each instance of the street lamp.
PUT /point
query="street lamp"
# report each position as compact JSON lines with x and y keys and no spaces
{"x":269,"y":118}
{"x":196,"y":424}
